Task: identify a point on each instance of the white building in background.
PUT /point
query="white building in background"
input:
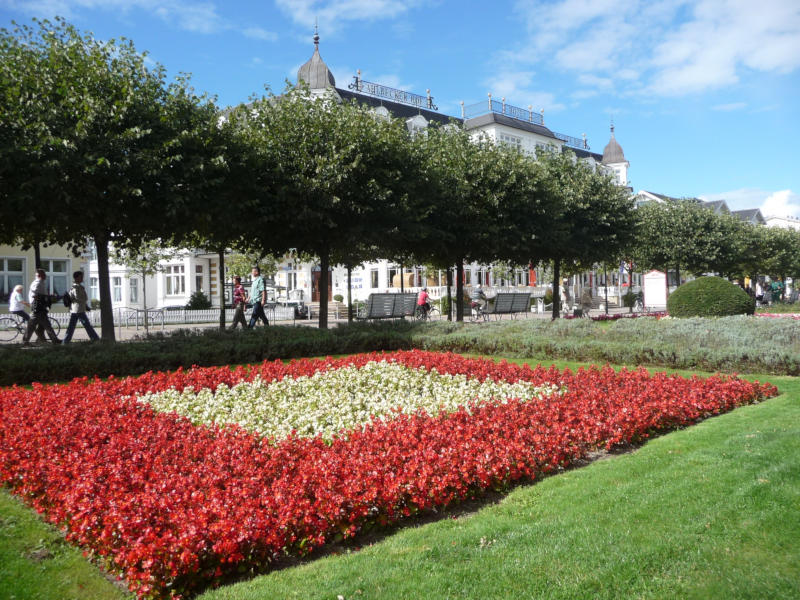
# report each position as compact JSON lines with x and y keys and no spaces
{"x":189,"y":271}
{"x":495,"y":119}
{"x":784,"y":222}
{"x":504,"y":123}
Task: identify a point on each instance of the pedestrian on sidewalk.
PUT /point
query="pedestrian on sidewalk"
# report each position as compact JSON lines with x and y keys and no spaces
{"x":258,"y":296}
{"x":239,"y":303}
{"x":40,"y":303}
{"x":77,"y":309}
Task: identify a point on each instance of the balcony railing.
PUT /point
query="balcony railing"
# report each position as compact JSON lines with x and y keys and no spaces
{"x":526,"y":115}
{"x":395,"y":95}
{"x":501,"y":108}
{"x":573,"y":142}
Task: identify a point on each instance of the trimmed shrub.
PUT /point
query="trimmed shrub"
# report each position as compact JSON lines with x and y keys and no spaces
{"x":338,"y":298}
{"x":198,"y":301}
{"x":709,"y":297}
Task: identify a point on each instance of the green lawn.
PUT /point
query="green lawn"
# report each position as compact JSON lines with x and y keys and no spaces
{"x":712,"y":511}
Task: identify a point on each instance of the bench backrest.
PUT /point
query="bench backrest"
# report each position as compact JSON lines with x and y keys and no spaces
{"x":503,"y":302}
{"x":387,"y":306}
{"x":521,"y":302}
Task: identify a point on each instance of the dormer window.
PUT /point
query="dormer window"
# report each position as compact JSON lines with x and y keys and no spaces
{"x":510,"y":140}
{"x":416,"y":124}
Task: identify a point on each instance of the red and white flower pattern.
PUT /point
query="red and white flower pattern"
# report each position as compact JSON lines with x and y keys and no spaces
{"x":174,"y":507}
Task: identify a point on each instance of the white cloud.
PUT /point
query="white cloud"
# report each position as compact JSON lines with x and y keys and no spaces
{"x":673,"y":47}
{"x":517,"y":88}
{"x":730,"y":107}
{"x":257,"y":33}
{"x":331,"y":14}
{"x":782,"y":203}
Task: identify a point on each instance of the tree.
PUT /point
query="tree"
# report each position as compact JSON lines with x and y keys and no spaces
{"x":101,"y":136}
{"x":145,"y":261}
{"x":337,"y":170}
{"x":463,"y":182}
{"x":590,"y":218}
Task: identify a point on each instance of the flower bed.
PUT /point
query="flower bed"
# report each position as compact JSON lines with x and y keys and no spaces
{"x":174,"y":507}
{"x":793,"y":316}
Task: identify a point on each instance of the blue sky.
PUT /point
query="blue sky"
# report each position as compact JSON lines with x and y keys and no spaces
{"x":705,"y":95}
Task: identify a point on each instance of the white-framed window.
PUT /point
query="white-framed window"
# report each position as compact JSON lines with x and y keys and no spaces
{"x":373,"y":278}
{"x":133,"y":290}
{"x":57,"y":275}
{"x":176,"y":281}
{"x":511,"y":140}
{"x":116,"y":289}
{"x":392,"y":273}
{"x":198,"y":278}
{"x":12,"y":274}
{"x":94,"y":289}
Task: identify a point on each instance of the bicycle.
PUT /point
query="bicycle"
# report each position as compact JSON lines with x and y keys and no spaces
{"x":12,"y":326}
{"x":420,"y":314}
{"x":478,"y":312}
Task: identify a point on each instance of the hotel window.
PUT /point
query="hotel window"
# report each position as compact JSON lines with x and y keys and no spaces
{"x":176,"y":282}
{"x":116,"y":288}
{"x":392,"y":273}
{"x":511,"y":140}
{"x":94,"y":290}
{"x":373,"y":278}
{"x":56,"y":275}
{"x":134,"y":291}
{"x":11,"y":275}
{"x":198,"y":278}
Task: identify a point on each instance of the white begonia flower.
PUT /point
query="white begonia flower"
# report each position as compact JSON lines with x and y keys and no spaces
{"x":337,"y":400}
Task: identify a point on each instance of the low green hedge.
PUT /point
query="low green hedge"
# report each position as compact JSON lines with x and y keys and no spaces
{"x":185,"y":348}
{"x":709,"y":297}
{"x":743,"y":344}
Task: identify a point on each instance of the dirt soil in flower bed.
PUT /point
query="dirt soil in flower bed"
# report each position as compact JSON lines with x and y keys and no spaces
{"x":174,"y":507}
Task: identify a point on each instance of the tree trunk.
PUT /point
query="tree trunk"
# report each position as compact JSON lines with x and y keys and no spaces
{"x":104,"y":284}
{"x":678,"y":275}
{"x":350,"y":294}
{"x":556,"y":288}
{"x":449,"y":279}
{"x":221,"y":278}
{"x":460,"y":290}
{"x":324,"y":258}
{"x":666,"y":280}
{"x":37,"y":255}
{"x":605,"y":285}
{"x":402,"y":283}
{"x":144,"y":302}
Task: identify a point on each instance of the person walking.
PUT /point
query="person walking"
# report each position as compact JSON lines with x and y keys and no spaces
{"x":77,"y":309}
{"x":40,"y":303}
{"x":239,"y":302}
{"x":258,"y":296}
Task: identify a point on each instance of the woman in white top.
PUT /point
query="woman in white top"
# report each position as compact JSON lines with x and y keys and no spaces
{"x":17,"y":304}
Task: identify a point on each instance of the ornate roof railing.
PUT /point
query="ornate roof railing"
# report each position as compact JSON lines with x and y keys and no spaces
{"x":526,"y":115}
{"x":381,"y":91}
{"x":501,"y":108}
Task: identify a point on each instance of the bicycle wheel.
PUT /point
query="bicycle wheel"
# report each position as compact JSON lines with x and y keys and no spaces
{"x":9,"y":329}
{"x":55,"y":325}
{"x":419,"y":313}
{"x":433,"y":312}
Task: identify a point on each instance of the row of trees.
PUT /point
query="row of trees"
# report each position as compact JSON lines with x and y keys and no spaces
{"x":685,"y":237}
{"x":95,"y":144}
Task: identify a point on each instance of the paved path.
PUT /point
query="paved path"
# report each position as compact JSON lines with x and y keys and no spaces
{"x":130,"y":333}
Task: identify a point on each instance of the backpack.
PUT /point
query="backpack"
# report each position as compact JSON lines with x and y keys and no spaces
{"x":67,"y":300}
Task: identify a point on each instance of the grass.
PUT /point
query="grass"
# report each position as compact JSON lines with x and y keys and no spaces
{"x":36,"y":563}
{"x":712,"y":511}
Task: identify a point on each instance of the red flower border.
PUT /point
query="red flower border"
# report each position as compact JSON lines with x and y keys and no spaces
{"x":174,"y":507}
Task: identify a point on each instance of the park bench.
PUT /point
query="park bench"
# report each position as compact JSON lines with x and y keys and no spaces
{"x":389,"y":306}
{"x":510,"y":303}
